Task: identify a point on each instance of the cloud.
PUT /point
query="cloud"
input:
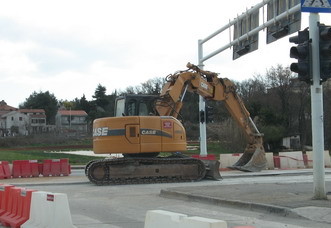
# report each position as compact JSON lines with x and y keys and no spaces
{"x":69,"y":47}
{"x":14,"y":60}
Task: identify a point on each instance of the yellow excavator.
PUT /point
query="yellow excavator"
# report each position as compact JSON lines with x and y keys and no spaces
{"x":146,"y":125}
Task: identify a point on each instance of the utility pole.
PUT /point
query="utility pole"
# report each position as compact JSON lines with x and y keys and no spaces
{"x":317,"y":110}
{"x":202,"y":110}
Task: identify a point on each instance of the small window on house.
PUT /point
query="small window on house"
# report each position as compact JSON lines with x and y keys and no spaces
{"x":21,"y":118}
{"x":12,"y":118}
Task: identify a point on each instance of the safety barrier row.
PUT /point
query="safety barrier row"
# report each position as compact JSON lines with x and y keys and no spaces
{"x":21,"y":207}
{"x":285,"y":160}
{"x":31,"y":168}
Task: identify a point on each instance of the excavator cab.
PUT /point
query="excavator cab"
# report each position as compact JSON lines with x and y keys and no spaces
{"x":135,"y":105}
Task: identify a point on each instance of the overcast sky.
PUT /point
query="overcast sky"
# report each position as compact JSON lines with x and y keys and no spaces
{"x":68,"y":47}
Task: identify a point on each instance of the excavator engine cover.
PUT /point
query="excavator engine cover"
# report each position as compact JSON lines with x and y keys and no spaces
{"x":138,"y":134}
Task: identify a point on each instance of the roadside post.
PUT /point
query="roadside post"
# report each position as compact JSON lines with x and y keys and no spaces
{"x":315,"y":7}
{"x":284,"y":18}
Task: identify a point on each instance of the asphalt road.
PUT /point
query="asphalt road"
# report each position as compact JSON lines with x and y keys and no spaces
{"x":126,"y":205}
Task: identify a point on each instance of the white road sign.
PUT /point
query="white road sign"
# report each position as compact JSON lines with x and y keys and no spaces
{"x":316,"y":6}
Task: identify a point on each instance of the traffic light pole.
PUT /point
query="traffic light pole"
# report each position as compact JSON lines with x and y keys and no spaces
{"x":317,"y":111}
{"x":202,"y":108}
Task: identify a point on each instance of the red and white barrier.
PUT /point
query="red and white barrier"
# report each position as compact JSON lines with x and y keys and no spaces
{"x":31,"y":168}
{"x":309,"y":159}
{"x":227,"y":160}
{"x":206,"y":157}
{"x":166,"y":219}
{"x":4,"y":170}
{"x":291,"y":160}
{"x":14,"y":205}
{"x":4,"y":196}
{"x":49,"y":210}
{"x":55,"y":167}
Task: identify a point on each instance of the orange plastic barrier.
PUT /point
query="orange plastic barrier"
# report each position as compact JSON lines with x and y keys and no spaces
{"x":46,"y":168}
{"x":208,"y":157}
{"x":55,"y":167}
{"x":12,"y":205}
{"x":65,"y":169}
{"x":4,"y":197}
{"x":4,"y":170}
{"x":15,"y":205}
{"x":34,"y":168}
{"x":21,"y":168}
{"x":16,"y":169}
{"x":25,"y":168}
{"x":22,"y":213}
{"x":31,"y":168}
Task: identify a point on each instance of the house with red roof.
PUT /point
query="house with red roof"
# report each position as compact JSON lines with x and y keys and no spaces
{"x":4,"y":109}
{"x":23,"y":122}
{"x":73,"y":122}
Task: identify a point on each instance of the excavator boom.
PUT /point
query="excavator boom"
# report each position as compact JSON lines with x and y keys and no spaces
{"x":210,"y":87}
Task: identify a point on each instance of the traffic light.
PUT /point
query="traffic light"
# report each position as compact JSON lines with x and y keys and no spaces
{"x":202,"y":116}
{"x":302,"y":53}
{"x":209,"y":114}
{"x":325,"y":51}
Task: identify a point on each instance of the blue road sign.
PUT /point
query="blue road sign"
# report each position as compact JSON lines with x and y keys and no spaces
{"x":316,"y":6}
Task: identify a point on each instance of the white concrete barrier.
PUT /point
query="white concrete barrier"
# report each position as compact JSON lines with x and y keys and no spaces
{"x":327,"y":160}
{"x":49,"y":210}
{"x":167,"y":219}
{"x":227,"y":160}
{"x":270,"y":160}
{"x":291,"y":160}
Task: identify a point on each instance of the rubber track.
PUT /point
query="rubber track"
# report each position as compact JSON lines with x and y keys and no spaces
{"x":106,"y":163}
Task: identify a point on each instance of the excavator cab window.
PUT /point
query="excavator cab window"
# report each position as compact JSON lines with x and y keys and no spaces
{"x":135,"y":105}
{"x":131,"y":107}
{"x":143,"y":109}
{"x":120,"y":107}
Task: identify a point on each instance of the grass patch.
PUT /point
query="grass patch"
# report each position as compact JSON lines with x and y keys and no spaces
{"x":40,"y":154}
{"x":212,"y":148}
{"x":74,"y":159}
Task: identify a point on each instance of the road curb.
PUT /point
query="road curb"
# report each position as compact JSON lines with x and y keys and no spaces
{"x":49,"y":184}
{"x":282,"y":211}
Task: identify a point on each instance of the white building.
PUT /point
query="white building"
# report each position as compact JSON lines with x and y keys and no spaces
{"x":24,"y":122}
{"x":73,"y":122}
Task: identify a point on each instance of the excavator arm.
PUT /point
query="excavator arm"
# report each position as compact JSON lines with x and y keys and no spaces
{"x":210,"y":87}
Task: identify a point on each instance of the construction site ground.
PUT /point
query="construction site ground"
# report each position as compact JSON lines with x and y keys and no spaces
{"x":286,"y":197}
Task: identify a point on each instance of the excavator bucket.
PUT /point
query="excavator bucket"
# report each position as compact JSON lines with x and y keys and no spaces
{"x":253,"y":160}
{"x":212,"y":169}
